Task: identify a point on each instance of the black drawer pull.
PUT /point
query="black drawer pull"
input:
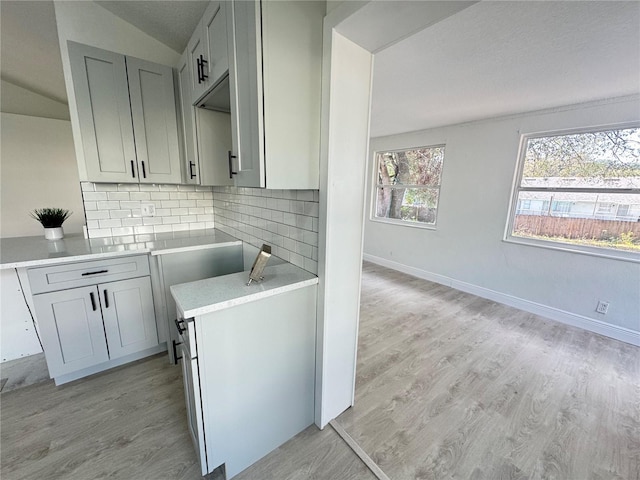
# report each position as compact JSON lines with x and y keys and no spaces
{"x":191,"y":174}
{"x":106,"y":299}
{"x":144,"y":172}
{"x":181,"y":329}
{"x":93,"y":301}
{"x":231,"y":172}
{"x":97,"y":272}
{"x":133,"y":169}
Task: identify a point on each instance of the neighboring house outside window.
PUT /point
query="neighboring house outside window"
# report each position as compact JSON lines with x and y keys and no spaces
{"x":408,"y":185}
{"x":579,"y":189}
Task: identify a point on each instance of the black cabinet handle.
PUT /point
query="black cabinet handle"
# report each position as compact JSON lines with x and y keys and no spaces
{"x":133,"y":169}
{"x":97,"y":272}
{"x":93,"y":301}
{"x":180,"y":328}
{"x":106,"y":299}
{"x":203,"y":63}
{"x":231,"y":172}
{"x":191,"y":174}
{"x":144,"y":172}
{"x":199,"y":67}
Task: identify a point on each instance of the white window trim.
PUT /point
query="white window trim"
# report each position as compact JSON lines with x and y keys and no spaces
{"x":374,"y":191}
{"x":602,"y":252}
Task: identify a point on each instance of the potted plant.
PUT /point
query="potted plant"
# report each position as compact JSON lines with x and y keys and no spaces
{"x":52,"y":220}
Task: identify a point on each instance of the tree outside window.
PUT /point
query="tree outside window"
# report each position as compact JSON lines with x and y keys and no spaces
{"x":408,"y":184}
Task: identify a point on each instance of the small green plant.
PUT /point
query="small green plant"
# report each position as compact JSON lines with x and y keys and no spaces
{"x":51,"y":217}
{"x":627,"y":238}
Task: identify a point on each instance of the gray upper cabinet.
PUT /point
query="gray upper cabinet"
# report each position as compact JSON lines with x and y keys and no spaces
{"x":275,"y":73}
{"x":207,"y":50}
{"x":187,"y":121}
{"x":127,"y":115}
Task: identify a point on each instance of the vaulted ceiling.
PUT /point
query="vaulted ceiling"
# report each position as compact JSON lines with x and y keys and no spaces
{"x":473,"y":61}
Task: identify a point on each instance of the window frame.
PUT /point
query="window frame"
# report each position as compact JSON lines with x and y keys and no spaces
{"x":374,"y":189}
{"x":590,"y":250}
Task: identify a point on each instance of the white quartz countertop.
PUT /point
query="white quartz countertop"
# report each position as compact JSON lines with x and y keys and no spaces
{"x":217,"y":293}
{"x":20,"y":252}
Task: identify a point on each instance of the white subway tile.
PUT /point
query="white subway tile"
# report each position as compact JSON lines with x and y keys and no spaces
{"x":310,"y":237}
{"x":207,"y":209}
{"x":311,"y":209}
{"x":316,"y":195}
{"x":197,"y":211}
{"x":93,"y":224}
{"x":118,"y":195}
{"x":97,"y":214}
{"x":168,"y":188}
{"x":100,"y":232}
{"x":120,"y":213}
{"x":283,"y":230}
{"x":122,"y":231}
{"x":142,"y":196}
{"x":143,"y":229}
{"x":289,"y":219}
{"x":128,"y":187}
{"x":296,"y":259}
{"x":151,"y":220}
{"x":284,"y":205}
{"x":302,"y":221}
{"x":306,"y":195}
{"x":207,"y":195}
{"x":106,"y":187}
{"x":178,"y":195}
{"x":180,"y":211}
{"x":131,"y":222}
{"x":188,"y":218}
{"x":296,"y":234}
{"x":315,"y":224}
{"x":162,"y":228}
{"x":196,"y":226}
{"x":290,"y":244}
{"x":129,"y":205}
{"x":202,"y":188}
{"x":205,"y":218}
{"x":87,"y":187}
{"x":171,"y":220}
{"x":149,"y":187}
{"x":311,"y":266}
{"x":110,"y":223}
{"x":95,"y":196}
{"x":187,"y":203}
{"x":108,"y":205}
{"x":170,"y":204}
{"x":277,"y":216}
{"x":187,"y":188}
{"x":160,"y":195}
{"x":195,"y":196}
{"x":297,"y":207}
{"x":90,"y":205}
{"x":179,"y":227}
{"x":303,"y":249}
{"x":314,"y":253}
{"x":209,"y":225}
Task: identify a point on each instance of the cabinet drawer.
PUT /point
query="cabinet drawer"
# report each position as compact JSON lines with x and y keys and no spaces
{"x":72,"y":275}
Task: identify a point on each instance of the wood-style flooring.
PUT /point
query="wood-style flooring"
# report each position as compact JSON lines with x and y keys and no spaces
{"x":452,"y":386}
{"x":449,"y":386}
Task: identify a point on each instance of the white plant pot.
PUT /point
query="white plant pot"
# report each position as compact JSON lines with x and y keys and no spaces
{"x":55,"y":233}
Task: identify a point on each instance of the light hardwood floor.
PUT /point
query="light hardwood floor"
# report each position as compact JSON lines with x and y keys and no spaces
{"x":449,"y":386}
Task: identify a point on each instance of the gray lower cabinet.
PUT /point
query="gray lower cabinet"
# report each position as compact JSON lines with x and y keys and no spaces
{"x":87,"y":325}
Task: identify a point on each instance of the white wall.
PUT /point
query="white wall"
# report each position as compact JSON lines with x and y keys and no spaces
{"x":38,"y":169}
{"x":467,"y":249}
{"x":16,"y":99}
{"x":90,"y":24}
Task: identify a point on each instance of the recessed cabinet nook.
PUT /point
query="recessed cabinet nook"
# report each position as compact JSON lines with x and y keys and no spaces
{"x":244,"y":108}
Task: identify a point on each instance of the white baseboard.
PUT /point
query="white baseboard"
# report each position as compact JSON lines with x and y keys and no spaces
{"x":618,"y":333}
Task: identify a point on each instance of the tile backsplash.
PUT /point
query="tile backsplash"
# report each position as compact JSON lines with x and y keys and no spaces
{"x":115,"y":209}
{"x":285,"y":219}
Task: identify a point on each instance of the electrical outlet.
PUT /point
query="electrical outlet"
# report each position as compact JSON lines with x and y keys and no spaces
{"x":602,"y":307}
{"x":148,"y":210}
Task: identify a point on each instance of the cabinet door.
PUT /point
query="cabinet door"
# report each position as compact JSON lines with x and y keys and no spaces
{"x":196,"y":51}
{"x":129,"y":318}
{"x":215,"y":30}
{"x":155,"y":125}
{"x":245,"y":82}
{"x":102,"y":102}
{"x":187,"y":118}
{"x":71,"y":329}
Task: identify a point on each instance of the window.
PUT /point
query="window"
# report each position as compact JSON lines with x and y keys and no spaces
{"x":580,"y":189}
{"x":408,"y":185}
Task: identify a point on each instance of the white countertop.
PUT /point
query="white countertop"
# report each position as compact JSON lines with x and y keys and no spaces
{"x":217,"y":293}
{"x":20,"y":252}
